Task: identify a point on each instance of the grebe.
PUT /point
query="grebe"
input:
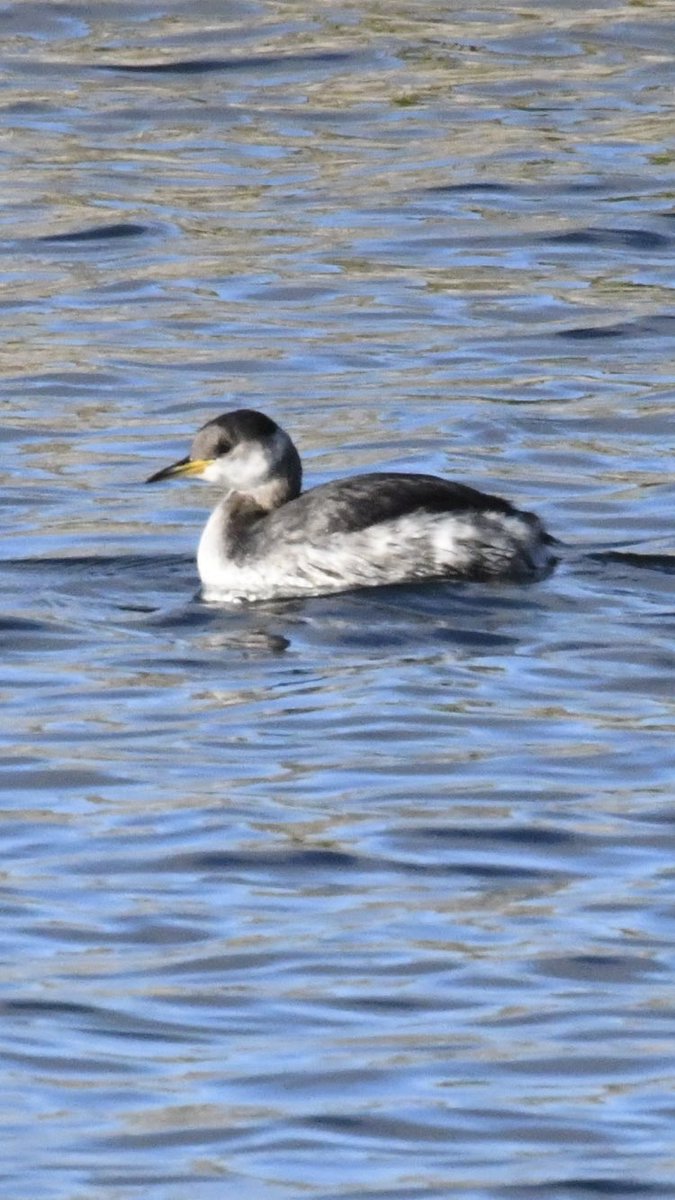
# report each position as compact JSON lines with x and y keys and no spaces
{"x":266,"y":540}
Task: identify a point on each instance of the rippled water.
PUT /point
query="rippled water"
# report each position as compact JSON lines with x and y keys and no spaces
{"x":368,"y":896}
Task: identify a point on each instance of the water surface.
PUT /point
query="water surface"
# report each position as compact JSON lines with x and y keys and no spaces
{"x":367,"y":896}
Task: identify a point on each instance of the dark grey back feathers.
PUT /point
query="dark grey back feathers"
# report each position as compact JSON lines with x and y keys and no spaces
{"x":350,"y":505}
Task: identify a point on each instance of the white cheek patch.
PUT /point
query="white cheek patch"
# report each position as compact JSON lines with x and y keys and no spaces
{"x":248,"y":466}
{"x":213,"y":473}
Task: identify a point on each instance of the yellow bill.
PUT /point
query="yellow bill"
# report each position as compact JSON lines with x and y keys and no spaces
{"x":186,"y":466}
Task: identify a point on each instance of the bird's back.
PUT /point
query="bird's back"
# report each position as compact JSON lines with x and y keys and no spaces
{"x":355,"y":504}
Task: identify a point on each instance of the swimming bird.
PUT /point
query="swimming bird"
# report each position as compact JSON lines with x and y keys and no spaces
{"x":267,"y":539}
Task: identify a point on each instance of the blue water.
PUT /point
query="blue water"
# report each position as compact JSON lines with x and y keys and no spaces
{"x":369,"y":895}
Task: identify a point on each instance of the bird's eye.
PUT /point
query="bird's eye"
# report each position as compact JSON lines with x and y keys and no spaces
{"x":224,"y":447}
